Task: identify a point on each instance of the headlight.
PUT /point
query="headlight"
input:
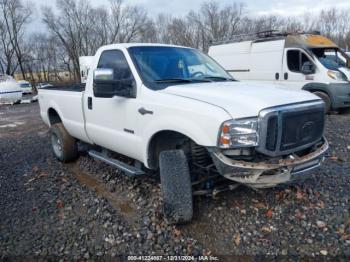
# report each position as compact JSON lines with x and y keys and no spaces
{"x":239,"y":133}
{"x":336,"y":75}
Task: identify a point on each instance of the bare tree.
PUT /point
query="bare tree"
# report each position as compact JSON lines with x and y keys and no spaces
{"x":14,"y":17}
{"x":71,"y":26}
{"x":77,"y":29}
{"x":198,"y":28}
{"x":126,"y":22}
{"x":8,"y":64}
{"x":81,"y":29}
{"x":215,"y":22}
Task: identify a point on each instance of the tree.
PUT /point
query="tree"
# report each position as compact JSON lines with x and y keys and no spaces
{"x":82,"y":29}
{"x":79,"y":29}
{"x":14,"y":17}
{"x":8,"y":64}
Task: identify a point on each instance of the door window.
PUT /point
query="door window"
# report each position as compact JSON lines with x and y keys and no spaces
{"x":295,"y":60}
{"x":115,"y":59}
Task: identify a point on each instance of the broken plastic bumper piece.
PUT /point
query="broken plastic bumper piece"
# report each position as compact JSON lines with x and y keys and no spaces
{"x":266,"y":174}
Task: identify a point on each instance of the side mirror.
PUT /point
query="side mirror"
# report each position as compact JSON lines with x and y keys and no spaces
{"x":308,"y":68}
{"x":105,"y":86}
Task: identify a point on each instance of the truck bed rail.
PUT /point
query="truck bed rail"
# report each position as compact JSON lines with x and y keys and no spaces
{"x":71,"y":88}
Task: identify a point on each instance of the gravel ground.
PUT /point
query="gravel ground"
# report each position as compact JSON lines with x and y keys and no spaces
{"x":87,"y":209}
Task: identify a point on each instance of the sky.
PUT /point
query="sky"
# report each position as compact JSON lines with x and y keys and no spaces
{"x":182,"y":7}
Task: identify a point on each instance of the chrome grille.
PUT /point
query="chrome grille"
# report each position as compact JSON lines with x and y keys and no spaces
{"x":290,"y":128}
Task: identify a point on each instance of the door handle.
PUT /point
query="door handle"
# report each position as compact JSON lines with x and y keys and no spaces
{"x":285,"y":76}
{"x":144,"y":111}
{"x":89,"y":103}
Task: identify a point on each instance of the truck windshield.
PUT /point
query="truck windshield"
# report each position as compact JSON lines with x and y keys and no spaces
{"x":331,"y":58}
{"x":166,"y":64}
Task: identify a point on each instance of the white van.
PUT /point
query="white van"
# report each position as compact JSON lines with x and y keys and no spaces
{"x":306,"y":61}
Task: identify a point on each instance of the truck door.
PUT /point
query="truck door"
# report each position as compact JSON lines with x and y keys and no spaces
{"x":111,"y":121}
{"x":293,"y":73}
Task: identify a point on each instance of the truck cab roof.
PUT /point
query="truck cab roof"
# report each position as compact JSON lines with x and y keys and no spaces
{"x":292,"y":39}
{"x":127,"y":45}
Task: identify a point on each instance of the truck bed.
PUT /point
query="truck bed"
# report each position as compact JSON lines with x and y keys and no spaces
{"x":67,"y":105}
{"x":72,"y":88}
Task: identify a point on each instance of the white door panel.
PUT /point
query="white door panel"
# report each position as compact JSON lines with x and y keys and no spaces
{"x":291,"y":75}
{"x":108,"y":124}
{"x":111,"y":122}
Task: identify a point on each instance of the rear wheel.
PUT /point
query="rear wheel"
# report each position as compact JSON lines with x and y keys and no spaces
{"x":64,"y":145}
{"x":326,"y":99}
{"x":176,"y":187}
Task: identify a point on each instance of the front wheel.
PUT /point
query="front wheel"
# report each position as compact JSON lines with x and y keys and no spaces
{"x":326,"y":99}
{"x":176,"y":187}
{"x":64,"y":145}
{"x":344,"y":111}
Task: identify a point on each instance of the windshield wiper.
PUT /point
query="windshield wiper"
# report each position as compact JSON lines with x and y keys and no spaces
{"x":165,"y":80}
{"x":219,"y":78}
{"x":184,"y":80}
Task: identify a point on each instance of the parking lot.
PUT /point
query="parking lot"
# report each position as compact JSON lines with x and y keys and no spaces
{"x":88,"y":209}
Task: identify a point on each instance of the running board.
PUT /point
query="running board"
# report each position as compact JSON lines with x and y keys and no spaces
{"x":129,"y":170}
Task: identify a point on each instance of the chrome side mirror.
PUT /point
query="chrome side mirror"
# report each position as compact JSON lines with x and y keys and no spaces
{"x":103,"y":74}
{"x":105,"y":86}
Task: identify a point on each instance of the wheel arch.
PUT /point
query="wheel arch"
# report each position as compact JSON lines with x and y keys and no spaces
{"x":319,"y":87}
{"x":53,"y":116}
{"x":163,"y":140}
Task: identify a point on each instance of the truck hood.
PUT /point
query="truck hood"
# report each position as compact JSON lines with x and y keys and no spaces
{"x":240,"y":99}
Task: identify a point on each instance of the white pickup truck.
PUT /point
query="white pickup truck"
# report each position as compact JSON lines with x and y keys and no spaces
{"x":174,"y":110}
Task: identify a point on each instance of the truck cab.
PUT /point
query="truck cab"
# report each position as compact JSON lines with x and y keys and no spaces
{"x":300,"y":61}
{"x":174,"y":111}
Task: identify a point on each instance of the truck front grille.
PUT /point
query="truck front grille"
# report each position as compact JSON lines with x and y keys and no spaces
{"x":301,"y":128}
{"x":272,"y":134}
{"x":287,"y":129}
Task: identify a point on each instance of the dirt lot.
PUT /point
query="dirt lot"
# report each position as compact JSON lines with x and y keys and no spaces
{"x":87,"y":209}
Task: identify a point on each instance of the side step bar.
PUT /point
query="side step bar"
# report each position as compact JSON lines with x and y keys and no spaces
{"x":129,"y":170}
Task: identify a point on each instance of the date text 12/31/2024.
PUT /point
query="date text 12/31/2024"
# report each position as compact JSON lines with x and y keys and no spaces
{"x":172,"y":258}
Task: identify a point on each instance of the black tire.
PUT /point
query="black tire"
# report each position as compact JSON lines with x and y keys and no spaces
{"x":176,"y":187}
{"x":64,"y":145}
{"x":344,"y":111}
{"x":326,"y":99}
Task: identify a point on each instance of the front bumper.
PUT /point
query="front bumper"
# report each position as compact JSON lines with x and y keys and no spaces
{"x":340,"y":95}
{"x":265,"y":174}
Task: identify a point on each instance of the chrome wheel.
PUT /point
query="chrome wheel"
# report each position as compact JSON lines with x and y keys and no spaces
{"x":56,"y":145}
